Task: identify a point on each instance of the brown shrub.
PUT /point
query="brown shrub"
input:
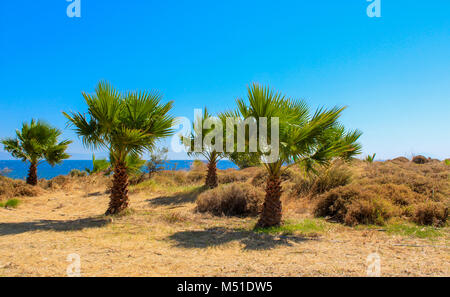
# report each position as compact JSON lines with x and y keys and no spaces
{"x":17,"y":188}
{"x":238,"y":199}
{"x":353,"y":205}
{"x":401,"y":160}
{"x":431,"y":214}
{"x":430,"y":180}
{"x":196,"y":176}
{"x":57,"y":183}
{"x":398,"y":194}
{"x":420,"y":160}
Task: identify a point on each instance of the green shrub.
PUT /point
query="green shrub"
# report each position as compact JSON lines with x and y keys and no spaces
{"x":77,"y":173}
{"x":11,"y":203}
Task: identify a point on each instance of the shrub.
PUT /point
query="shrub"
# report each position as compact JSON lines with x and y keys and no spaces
{"x":232,"y":175}
{"x":431,"y":214}
{"x":12,"y":203}
{"x":447,"y":162}
{"x":56,"y":183}
{"x":353,"y":204}
{"x":420,"y":160}
{"x":237,"y":199}
{"x":399,"y":194}
{"x":157,"y":160}
{"x":401,"y":160}
{"x":77,"y":173}
{"x":12,"y":188}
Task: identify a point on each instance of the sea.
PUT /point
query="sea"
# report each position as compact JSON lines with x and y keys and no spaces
{"x":18,"y":170}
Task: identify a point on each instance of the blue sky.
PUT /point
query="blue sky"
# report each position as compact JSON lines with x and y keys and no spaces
{"x":392,"y":72}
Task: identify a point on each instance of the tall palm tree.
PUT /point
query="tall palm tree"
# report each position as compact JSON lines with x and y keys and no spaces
{"x":125,"y":124}
{"x":305,"y":139}
{"x":207,"y":149}
{"x":36,"y":142}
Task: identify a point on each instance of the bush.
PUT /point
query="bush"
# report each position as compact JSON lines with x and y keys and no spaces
{"x":430,"y":180}
{"x":238,"y":199}
{"x":447,"y":162}
{"x":77,"y":173}
{"x":401,"y":160}
{"x":353,"y":204}
{"x":57,"y":183}
{"x":157,"y":160}
{"x":12,"y":188}
{"x":431,"y":214}
{"x":420,"y":160}
{"x":12,"y":203}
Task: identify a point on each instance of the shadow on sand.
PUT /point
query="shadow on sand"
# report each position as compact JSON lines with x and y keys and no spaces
{"x":178,"y":198}
{"x":217,"y":236}
{"x":51,"y":225}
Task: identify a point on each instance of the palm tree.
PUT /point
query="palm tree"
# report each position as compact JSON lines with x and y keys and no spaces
{"x":36,"y":142}
{"x":197,"y":146}
{"x":125,"y":124}
{"x":305,"y":139}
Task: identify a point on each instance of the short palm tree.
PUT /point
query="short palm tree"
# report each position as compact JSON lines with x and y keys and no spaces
{"x":125,"y":124}
{"x":204,"y":148}
{"x":305,"y":139}
{"x":35,"y":143}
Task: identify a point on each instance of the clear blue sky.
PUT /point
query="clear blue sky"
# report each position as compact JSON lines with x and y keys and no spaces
{"x":393,"y":72}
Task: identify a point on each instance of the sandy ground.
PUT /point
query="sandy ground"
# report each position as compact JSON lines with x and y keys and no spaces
{"x":164,"y":237}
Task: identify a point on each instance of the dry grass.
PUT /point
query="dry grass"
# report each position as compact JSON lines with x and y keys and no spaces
{"x":163,"y":235}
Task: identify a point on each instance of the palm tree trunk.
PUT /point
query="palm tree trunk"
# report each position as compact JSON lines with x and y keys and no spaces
{"x":271,"y":214}
{"x":211,"y":177}
{"x":32,"y":175}
{"x":119,"y":191}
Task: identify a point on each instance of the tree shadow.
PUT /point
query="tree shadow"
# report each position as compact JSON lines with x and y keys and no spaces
{"x":217,"y":236}
{"x":178,"y":198}
{"x":51,"y":225}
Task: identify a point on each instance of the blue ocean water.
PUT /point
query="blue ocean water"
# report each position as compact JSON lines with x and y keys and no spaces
{"x":19,"y":170}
